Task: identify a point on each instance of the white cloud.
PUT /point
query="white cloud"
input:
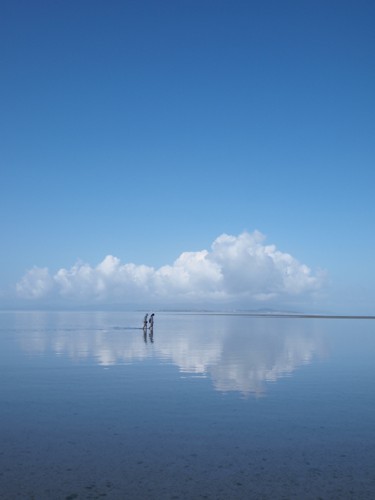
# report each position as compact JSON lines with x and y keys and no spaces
{"x":237,"y":268}
{"x":36,"y":283}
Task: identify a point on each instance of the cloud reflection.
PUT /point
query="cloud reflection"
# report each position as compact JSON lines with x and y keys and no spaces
{"x":237,"y":353}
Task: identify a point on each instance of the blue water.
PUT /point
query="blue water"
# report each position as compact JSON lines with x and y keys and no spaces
{"x":209,"y":406}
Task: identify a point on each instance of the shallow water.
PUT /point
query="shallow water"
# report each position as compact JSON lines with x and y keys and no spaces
{"x":209,"y":406}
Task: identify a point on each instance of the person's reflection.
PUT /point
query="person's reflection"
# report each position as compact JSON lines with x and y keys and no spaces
{"x":151,"y":333}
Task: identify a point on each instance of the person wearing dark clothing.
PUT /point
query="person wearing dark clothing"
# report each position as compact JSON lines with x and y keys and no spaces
{"x":145,"y":322}
{"x":151,"y":321}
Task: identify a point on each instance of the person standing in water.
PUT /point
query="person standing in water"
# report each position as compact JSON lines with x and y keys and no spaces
{"x":145,"y":322}
{"x":151,"y":321}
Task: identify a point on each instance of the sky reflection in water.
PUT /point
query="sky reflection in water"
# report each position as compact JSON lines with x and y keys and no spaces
{"x":237,"y":353}
{"x":91,"y":407}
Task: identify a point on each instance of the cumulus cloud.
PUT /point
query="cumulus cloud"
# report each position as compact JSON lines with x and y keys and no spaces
{"x":36,"y":283}
{"x":241,"y":268}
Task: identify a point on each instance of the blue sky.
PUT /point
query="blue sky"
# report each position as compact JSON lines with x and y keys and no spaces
{"x":144,"y":130}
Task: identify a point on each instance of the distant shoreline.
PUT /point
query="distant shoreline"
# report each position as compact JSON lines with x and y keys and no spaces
{"x":274,"y":315}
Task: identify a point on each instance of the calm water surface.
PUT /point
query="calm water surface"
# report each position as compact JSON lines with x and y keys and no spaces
{"x":209,"y":406}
